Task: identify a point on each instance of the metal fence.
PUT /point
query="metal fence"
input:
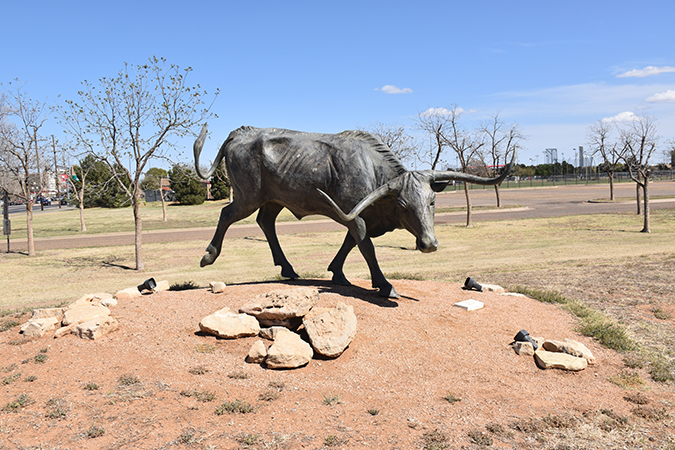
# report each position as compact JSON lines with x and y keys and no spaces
{"x":563,"y":180}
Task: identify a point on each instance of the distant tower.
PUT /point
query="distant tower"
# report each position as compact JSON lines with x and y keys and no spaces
{"x":581,"y":156}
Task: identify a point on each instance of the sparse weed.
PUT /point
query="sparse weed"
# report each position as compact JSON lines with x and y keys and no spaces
{"x":198,"y":370}
{"x":8,"y":325}
{"x":558,"y":421}
{"x":333,"y":441}
{"x":205,"y":348}
{"x":660,"y":314}
{"x":661,"y":371}
{"x":450,"y":398}
{"x":435,"y":440}
{"x":238,"y":375}
{"x":90,"y":387}
{"x":269,"y":395}
{"x":202,"y":396}
{"x":41,"y":358}
{"x":235,"y":407}
{"x":636,"y":397}
{"x":373,"y":412}
{"x":613,"y":420}
{"x":184,"y":286}
{"x":57,"y":409}
{"x":9,"y":368}
{"x":331,"y":400}
{"x":188,"y":436}
{"x":480,"y":438}
{"x":94,"y":432}
{"x":247,"y":439}
{"x":128,"y":380}
{"x":21,"y":401}
{"x":634,"y":360}
{"x":650,"y":413}
{"x":11,"y":379}
{"x":627,"y":379}
{"x":278,"y":385}
{"x":30,"y":378}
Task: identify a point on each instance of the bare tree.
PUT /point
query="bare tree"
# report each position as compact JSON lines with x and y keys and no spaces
{"x":435,"y":123}
{"x":22,"y":149}
{"x":501,"y":141}
{"x":466,"y":145}
{"x":133,"y":118}
{"x":639,"y":141}
{"x":395,"y":137}
{"x":600,"y":142}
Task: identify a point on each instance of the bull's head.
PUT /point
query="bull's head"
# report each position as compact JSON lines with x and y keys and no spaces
{"x":416,"y":198}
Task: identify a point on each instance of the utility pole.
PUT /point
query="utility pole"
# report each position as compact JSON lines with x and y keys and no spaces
{"x":6,"y":224}
{"x":56,"y":174}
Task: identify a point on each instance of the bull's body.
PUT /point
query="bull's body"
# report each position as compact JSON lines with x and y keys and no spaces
{"x":326,"y":174}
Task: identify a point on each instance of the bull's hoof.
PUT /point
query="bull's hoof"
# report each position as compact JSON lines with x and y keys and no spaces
{"x":388,"y":291}
{"x":210,"y":257}
{"x":288,"y":272}
{"x":340,"y":279}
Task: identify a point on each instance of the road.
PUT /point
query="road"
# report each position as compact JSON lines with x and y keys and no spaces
{"x":530,"y":202}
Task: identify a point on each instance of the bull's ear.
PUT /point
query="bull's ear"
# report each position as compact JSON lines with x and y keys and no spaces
{"x":438,"y":186}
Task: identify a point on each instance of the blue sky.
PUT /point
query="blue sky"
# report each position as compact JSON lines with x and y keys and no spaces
{"x":553,"y":68}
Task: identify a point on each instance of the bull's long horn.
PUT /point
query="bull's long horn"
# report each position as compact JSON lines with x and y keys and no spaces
{"x":447,"y":175}
{"x":391,"y":186}
{"x":197,"y":147}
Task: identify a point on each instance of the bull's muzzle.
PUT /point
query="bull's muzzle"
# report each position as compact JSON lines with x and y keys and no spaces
{"x":427,"y":245}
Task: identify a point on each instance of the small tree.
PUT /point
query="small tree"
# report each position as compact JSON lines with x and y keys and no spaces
{"x":220,"y":183}
{"x":395,"y":137}
{"x":133,"y":118}
{"x":639,"y":141}
{"x":21,"y":150}
{"x":434,"y":122}
{"x":187,"y":186}
{"x":600,"y":142}
{"x":501,"y":141}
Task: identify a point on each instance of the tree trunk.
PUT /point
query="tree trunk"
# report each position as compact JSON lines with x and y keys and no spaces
{"x":637,"y":198}
{"x":80,"y":196}
{"x":499,"y":199}
{"x":645,"y":188}
{"x":29,"y":228}
{"x":611,"y":186}
{"x":468,"y":204}
{"x":138,"y":230}
{"x":161,"y":195}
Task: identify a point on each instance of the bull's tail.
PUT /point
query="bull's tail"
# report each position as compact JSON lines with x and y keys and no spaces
{"x":197,"y":147}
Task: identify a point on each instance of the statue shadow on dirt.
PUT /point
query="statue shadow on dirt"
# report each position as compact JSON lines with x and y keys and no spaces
{"x":367,"y":295}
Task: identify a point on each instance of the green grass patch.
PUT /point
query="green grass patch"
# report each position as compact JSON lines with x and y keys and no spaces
{"x":331,"y":400}
{"x":235,"y":407}
{"x":184,"y":286}
{"x":20,"y":402}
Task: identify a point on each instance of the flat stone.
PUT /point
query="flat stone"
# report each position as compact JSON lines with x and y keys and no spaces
{"x":64,"y":331}
{"x":83,"y":313}
{"x":217,"y":287}
{"x":553,"y":360}
{"x":36,"y":328}
{"x":257,"y":353}
{"x":271,"y":332}
{"x":523,"y":348}
{"x":128,"y":294}
{"x":162,"y":286}
{"x":570,"y":347}
{"x":227,"y":324}
{"x":288,"y":351}
{"x":331,"y":330}
{"x":45,"y":313}
{"x":95,"y":328}
{"x":493,"y":288}
{"x":283,"y":307}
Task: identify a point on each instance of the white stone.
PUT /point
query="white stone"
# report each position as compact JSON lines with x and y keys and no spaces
{"x":554,"y":360}
{"x":288,"y":351}
{"x":94,"y":329}
{"x":230,"y":325}
{"x":283,"y":307}
{"x":128,"y":294}
{"x":83,"y":313}
{"x":493,"y":288}
{"x":162,"y":286}
{"x":331,"y":330}
{"x":217,"y":287}
{"x":270,"y":333}
{"x":469,"y":305}
{"x":570,"y":347}
{"x":35,"y":328}
{"x":48,"y":312}
{"x":257,"y":353}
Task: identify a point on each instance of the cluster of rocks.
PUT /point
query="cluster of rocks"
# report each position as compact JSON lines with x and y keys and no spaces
{"x":87,"y":318}
{"x":282,"y":316}
{"x":566,"y":354}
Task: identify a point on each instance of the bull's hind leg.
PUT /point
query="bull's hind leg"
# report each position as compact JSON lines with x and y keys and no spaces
{"x":337,"y":265}
{"x":266,"y":217}
{"x":228,"y":215}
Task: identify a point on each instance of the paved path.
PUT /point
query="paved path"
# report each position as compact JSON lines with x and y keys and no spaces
{"x":531,"y":202}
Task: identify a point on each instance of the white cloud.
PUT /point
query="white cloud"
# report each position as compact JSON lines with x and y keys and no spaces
{"x":668,"y":96}
{"x":646,"y":72}
{"x":391,"y":89}
{"x":446,"y":111}
{"x":625,"y":116}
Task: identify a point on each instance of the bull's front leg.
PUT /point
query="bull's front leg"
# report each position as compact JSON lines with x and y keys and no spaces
{"x":338,"y":263}
{"x":230,"y":214}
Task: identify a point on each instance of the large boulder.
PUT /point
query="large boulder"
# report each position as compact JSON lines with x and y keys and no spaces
{"x":283,"y":307}
{"x":99,"y":298}
{"x":227,"y":324}
{"x":288,"y":351}
{"x":83,"y":313}
{"x":570,"y":347}
{"x":95,"y":328}
{"x":128,"y":294}
{"x":331,"y":330}
{"x":36,"y":328}
{"x":554,"y":360}
{"x":45,"y":313}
